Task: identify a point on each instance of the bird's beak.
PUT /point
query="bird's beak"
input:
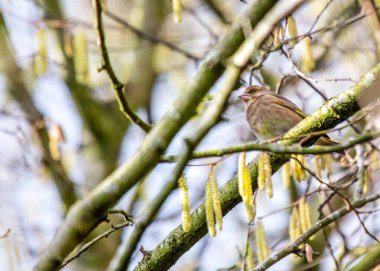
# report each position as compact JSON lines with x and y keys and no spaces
{"x":244,"y":97}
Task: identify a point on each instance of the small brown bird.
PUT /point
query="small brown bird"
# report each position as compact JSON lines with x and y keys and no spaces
{"x":270,"y":115}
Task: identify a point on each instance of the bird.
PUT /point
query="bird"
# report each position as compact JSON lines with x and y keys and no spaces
{"x":270,"y":115}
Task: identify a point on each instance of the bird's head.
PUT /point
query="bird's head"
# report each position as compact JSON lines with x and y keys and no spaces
{"x":252,"y":92}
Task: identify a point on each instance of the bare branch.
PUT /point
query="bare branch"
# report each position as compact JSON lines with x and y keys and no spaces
{"x":117,"y":85}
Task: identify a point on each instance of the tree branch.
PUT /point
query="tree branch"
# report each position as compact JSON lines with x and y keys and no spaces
{"x":106,"y":64}
{"x":277,"y":148}
{"x":210,"y":118}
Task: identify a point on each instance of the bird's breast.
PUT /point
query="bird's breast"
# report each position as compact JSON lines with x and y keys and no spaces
{"x":268,"y":120}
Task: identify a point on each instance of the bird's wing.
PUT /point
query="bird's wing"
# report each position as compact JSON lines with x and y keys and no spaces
{"x":288,"y":104}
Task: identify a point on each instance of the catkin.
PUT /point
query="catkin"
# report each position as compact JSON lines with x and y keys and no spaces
{"x":366,"y":179}
{"x":250,"y":210}
{"x":261,"y":243}
{"x":317,"y":166}
{"x":81,"y":56}
{"x":294,"y":225}
{"x":286,"y":175}
{"x":308,"y":215}
{"x":308,"y":61}
{"x":241,"y":174}
{"x":301,"y":165}
{"x":41,"y":60}
{"x":295,"y":169}
{"x":328,"y":162}
{"x":374,"y":159}
{"x":245,"y":188}
{"x":177,"y":11}
{"x":292,"y":30}
{"x":250,"y":263}
{"x":268,"y":174}
{"x":261,"y":171}
{"x":184,"y":193}
{"x":209,"y":211}
{"x":278,"y":34}
{"x":216,"y":199}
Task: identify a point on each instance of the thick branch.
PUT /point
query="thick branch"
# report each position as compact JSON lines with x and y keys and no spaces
{"x":210,"y":118}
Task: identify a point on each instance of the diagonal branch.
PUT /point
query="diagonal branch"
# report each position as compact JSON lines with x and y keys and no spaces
{"x":106,"y":65}
{"x":210,"y":118}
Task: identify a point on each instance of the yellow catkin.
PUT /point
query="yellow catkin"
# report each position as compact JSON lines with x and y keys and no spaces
{"x":295,"y":169}
{"x":282,"y":32}
{"x":366,"y":178}
{"x":261,"y":243}
{"x":301,"y":165}
{"x":81,"y":56}
{"x":304,"y":216}
{"x":249,"y":203}
{"x":41,"y":61}
{"x":216,"y":199}
{"x":54,"y":150}
{"x":250,"y":211}
{"x":210,"y":211}
{"x":184,"y":193}
{"x":245,"y":187}
{"x":294,"y":225}
{"x":241,"y":174}
{"x":323,"y":162}
{"x":68,"y":43}
{"x":309,"y":223}
{"x":292,"y":30}
{"x":277,"y":36}
{"x":177,"y":11}
{"x":317,"y":166}
{"x":55,"y":137}
{"x":286,"y":175}
{"x":261,"y":171}
{"x":308,"y":61}
{"x":268,"y":174}
{"x":250,"y":263}
{"x":328,"y":163}
{"x":375,"y":160}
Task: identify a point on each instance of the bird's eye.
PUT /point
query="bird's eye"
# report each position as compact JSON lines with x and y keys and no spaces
{"x":251,"y":91}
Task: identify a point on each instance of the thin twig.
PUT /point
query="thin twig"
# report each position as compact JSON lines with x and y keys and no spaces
{"x":276,"y":148}
{"x":150,"y":37}
{"x":320,"y":15}
{"x":320,"y":224}
{"x":94,"y":241}
{"x":344,"y":198}
{"x":106,"y":65}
